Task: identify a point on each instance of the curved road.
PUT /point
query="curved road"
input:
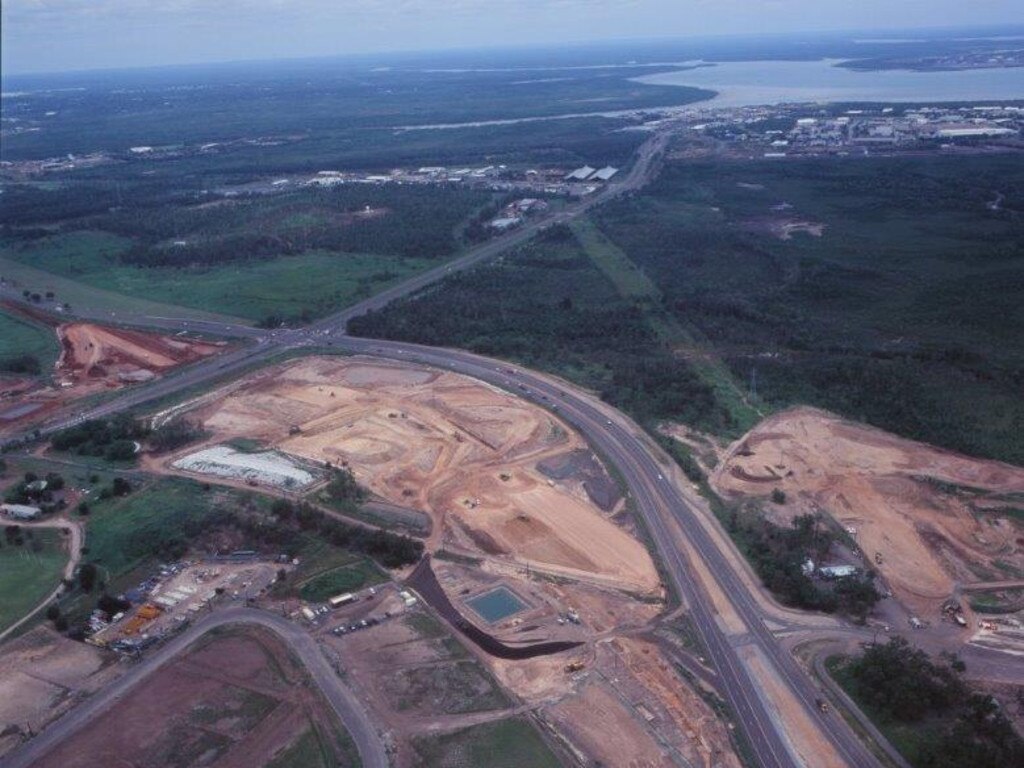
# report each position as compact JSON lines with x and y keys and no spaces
{"x":344,"y":703}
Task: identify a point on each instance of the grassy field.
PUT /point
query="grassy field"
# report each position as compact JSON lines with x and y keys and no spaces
{"x":84,"y":270}
{"x":99,"y":297}
{"x":355,"y":575}
{"x":156,"y":521}
{"x":511,"y":743}
{"x":27,"y":575}
{"x":21,"y":337}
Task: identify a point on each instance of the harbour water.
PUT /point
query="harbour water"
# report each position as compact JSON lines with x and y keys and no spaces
{"x":753,"y":83}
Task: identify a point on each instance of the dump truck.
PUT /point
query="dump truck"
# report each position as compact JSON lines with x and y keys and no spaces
{"x":574,"y":666}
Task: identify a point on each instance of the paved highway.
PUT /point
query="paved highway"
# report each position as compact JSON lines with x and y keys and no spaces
{"x":662,"y":505}
{"x":344,"y":703}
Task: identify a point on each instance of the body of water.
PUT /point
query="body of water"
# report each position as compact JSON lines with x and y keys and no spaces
{"x":753,"y":83}
{"x":496,"y":605}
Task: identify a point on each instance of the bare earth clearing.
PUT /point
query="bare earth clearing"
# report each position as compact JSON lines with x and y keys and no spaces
{"x":455,"y":448}
{"x":94,"y":359}
{"x":928,"y":519}
{"x":42,"y":675}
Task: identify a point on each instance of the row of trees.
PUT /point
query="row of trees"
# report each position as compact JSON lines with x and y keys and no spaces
{"x":112,"y":439}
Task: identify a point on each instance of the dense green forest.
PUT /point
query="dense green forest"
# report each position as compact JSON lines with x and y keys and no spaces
{"x":927,"y":710}
{"x":905,"y":312}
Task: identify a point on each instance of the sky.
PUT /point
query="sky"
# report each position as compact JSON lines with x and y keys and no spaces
{"x":61,"y":35}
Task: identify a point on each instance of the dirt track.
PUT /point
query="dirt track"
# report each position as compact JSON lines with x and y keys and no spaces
{"x":930,"y":514}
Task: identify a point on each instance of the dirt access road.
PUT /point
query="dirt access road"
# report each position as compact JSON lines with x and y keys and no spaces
{"x":345,"y":705}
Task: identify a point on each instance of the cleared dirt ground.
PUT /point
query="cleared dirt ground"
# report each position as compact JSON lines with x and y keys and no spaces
{"x":517,"y":500}
{"x":42,"y":675}
{"x":237,"y":699}
{"x":115,"y":356}
{"x":459,"y":450}
{"x":932,"y":516}
{"x":95,"y":358}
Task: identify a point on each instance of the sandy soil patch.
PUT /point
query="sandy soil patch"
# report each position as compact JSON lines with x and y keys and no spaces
{"x":588,"y":718}
{"x":784,"y":229}
{"x":929,"y":514}
{"x":95,"y":358}
{"x":42,"y":674}
{"x":696,"y":732}
{"x":116,"y":355}
{"x":804,"y":736}
{"x":461,"y":451}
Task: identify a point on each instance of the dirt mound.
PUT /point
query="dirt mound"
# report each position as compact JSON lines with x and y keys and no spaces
{"x":932,"y":516}
{"x":94,"y":351}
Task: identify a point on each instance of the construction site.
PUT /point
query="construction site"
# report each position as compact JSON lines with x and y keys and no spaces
{"x":936,"y":526}
{"x":533,"y":560}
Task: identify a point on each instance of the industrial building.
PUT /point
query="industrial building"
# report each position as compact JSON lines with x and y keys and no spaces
{"x":605,"y":174}
{"x":581,"y":174}
{"x":20,"y":511}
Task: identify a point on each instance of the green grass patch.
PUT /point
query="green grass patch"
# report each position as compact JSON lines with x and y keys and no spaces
{"x":37,"y":266}
{"x":347,"y":578}
{"x":29,"y":572}
{"x":311,"y":750}
{"x":425,"y":625}
{"x":317,"y":282}
{"x":22,"y":337}
{"x":512,"y":743}
{"x":158,"y":520}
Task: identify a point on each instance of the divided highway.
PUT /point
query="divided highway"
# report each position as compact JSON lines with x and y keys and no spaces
{"x":662,"y":505}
